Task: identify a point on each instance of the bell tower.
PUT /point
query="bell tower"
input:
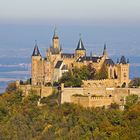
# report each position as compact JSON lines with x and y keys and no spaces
{"x":55,"y":40}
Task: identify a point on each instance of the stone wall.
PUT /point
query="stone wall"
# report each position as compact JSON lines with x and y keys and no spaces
{"x":92,"y":101}
{"x":100,"y":83}
{"x":68,"y":92}
{"x":85,"y":96}
{"x":100,"y":101}
{"x":83,"y":101}
{"x":41,"y":91}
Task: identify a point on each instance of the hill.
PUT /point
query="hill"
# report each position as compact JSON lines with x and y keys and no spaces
{"x":22,"y":119}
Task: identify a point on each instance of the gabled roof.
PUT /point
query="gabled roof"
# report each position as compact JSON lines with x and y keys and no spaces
{"x":109,"y":62}
{"x":36,"y":51}
{"x":58,"y":64}
{"x":80,"y":45}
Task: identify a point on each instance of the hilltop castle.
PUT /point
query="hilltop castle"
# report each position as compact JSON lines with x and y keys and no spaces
{"x":51,"y":68}
{"x":92,"y":93}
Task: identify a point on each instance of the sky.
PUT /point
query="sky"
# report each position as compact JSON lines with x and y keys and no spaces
{"x":114,"y":22}
{"x":70,"y":11}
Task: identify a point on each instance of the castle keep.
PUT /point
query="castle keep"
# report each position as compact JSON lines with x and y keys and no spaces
{"x":51,"y":68}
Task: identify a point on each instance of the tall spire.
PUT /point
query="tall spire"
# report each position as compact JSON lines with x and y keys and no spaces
{"x":105,"y":51}
{"x":55,"y":33}
{"x":36,"y":50}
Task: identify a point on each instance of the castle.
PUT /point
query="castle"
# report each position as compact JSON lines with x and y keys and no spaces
{"x":51,"y":68}
{"x":92,"y":93}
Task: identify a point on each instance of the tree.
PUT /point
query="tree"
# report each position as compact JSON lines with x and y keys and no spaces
{"x":76,"y":75}
{"x":92,"y":72}
{"x":102,"y":74}
{"x":135,"y":82}
{"x":11,"y":87}
{"x":131,"y":100}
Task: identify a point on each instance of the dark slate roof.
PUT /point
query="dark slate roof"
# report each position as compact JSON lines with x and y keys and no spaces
{"x":67,"y":55}
{"x":36,"y":51}
{"x":80,"y":45}
{"x":123,"y":60}
{"x":54,"y":50}
{"x":105,"y":51}
{"x":58,"y":64}
{"x":109,"y":62}
{"x":88,"y":58}
{"x":64,"y":67}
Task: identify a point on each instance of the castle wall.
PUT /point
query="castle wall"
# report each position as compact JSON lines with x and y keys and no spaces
{"x":68,"y":92}
{"x":103,"y":96}
{"x":40,"y":91}
{"x":92,"y":101}
{"x":100,"y":83}
{"x":92,"y":90}
{"x":100,"y":101}
{"x":83,"y":101}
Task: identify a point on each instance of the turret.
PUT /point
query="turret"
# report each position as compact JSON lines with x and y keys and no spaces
{"x":123,"y":71}
{"x":80,"y":50}
{"x":36,"y":53}
{"x":36,"y":57}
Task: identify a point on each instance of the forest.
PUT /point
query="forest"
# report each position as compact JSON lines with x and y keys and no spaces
{"x":22,"y":119}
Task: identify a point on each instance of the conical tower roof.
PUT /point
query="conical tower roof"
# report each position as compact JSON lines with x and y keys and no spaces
{"x":123,"y":60}
{"x":36,"y":51}
{"x":80,"y":45}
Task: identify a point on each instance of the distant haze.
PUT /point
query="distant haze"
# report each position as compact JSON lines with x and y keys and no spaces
{"x":70,"y":11}
{"x":114,"y":22}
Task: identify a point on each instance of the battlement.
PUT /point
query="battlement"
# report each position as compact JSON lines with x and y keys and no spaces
{"x":101,"y":83}
{"x":88,"y":101}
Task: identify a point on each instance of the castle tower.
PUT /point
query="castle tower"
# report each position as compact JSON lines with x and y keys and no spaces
{"x":105,"y":55}
{"x":80,"y":50}
{"x":55,"y":40}
{"x":36,"y":57}
{"x":123,"y":72}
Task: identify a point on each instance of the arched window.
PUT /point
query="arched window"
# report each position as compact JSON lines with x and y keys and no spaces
{"x":115,"y":75}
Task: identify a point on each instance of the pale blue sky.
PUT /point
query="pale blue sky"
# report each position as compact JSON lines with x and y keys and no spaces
{"x":70,"y":11}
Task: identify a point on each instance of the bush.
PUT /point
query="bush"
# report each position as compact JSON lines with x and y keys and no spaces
{"x":11,"y":87}
{"x":102,"y":74}
{"x":135,"y":82}
{"x":131,"y":100}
